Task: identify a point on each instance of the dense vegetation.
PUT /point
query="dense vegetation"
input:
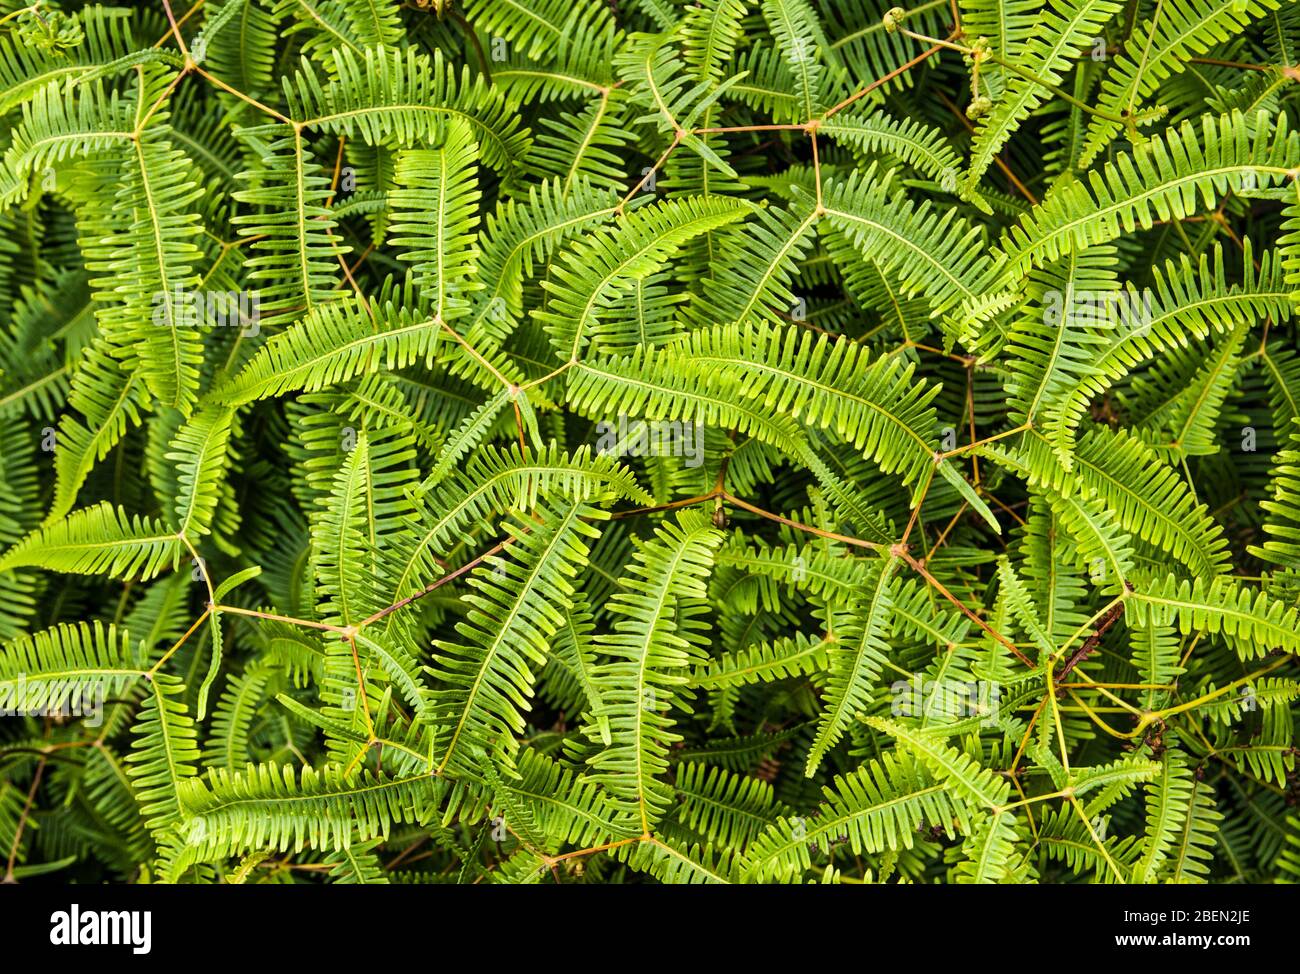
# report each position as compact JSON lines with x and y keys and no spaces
{"x":689,"y":440}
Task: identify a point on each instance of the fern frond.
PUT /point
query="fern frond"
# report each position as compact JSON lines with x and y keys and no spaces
{"x":656,"y":635}
{"x":1166,"y":178}
{"x":98,"y":540}
{"x":490,"y":674}
{"x":1158,"y":48}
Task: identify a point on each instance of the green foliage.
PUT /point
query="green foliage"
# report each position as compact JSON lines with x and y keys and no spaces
{"x":560,"y":441}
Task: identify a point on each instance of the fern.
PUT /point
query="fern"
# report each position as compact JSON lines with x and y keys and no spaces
{"x":560,"y":441}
